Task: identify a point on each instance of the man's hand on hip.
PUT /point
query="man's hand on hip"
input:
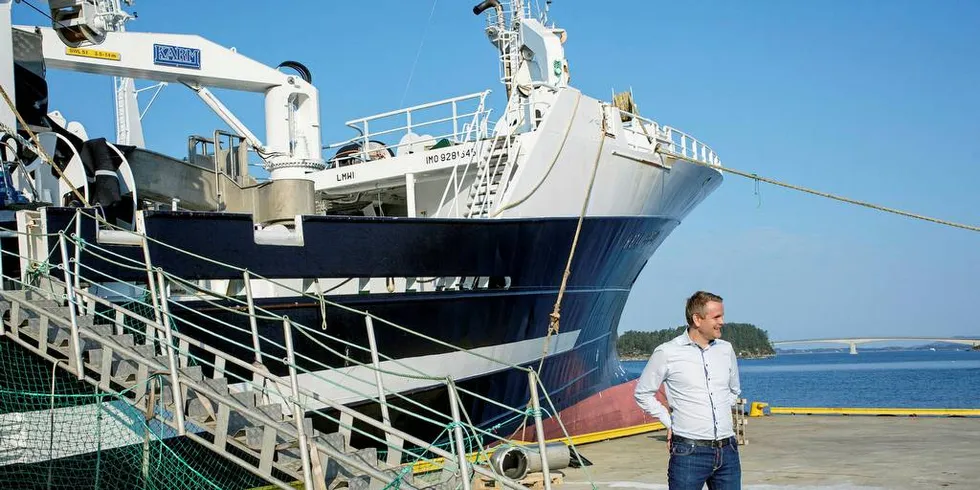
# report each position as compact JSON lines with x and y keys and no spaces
{"x":669,"y":434}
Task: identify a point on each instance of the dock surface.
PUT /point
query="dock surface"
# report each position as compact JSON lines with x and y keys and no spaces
{"x":810,"y":453}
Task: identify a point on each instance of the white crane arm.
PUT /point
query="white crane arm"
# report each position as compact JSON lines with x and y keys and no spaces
{"x":161,"y":57}
{"x":291,"y":103}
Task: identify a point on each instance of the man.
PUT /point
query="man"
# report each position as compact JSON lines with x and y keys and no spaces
{"x":700,"y":374}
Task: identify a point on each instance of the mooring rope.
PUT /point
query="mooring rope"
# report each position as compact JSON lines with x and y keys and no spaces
{"x":555,"y":316}
{"x":807,"y":190}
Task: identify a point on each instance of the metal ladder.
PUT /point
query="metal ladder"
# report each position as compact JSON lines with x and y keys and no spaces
{"x":96,"y":349}
{"x":491,"y":174}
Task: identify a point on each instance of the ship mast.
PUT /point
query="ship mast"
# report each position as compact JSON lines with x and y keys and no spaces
{"x":129,"y":129}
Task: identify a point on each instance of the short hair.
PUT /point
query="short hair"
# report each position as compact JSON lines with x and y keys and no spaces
{"x":697,"y":303}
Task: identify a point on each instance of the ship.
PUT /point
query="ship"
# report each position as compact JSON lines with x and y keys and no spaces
{"x":514,"y":234}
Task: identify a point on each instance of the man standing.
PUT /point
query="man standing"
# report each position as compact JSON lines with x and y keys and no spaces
{"x":701,"y":377}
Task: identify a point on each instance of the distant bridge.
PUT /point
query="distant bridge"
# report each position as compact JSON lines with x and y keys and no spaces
{"x":853,"y":342}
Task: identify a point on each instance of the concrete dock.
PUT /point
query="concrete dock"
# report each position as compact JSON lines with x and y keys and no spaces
{"x":810,"y":453}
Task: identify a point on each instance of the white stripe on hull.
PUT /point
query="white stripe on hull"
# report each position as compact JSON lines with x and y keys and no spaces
{"x":357,"y":383}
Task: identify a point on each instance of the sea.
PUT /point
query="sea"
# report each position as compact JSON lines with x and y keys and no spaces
{"x":871,"y":378}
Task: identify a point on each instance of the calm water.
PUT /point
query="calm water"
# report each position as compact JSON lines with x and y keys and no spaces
{"x":922,"y":379}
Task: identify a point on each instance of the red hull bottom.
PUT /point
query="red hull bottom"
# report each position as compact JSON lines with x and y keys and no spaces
{"x":609,"y":410}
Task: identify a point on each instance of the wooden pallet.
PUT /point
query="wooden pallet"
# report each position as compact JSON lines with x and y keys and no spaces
{"x":533,"y":480}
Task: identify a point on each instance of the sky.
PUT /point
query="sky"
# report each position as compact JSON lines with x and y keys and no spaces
{"x":872,"y":100}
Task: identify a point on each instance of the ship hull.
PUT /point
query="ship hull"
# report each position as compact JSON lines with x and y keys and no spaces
{"x":509,"y":324}
{"x":509,"y":320}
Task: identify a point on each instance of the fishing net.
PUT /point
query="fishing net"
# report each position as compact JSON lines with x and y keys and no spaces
{"x":77,"y":437}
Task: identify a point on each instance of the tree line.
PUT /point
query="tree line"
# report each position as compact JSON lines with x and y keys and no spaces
{"x":747,"y":340}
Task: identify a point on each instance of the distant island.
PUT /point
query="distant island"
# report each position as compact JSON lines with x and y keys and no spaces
{"x":748,"y":341}
{"x":932,"y":346}
{"x":836,"y":350}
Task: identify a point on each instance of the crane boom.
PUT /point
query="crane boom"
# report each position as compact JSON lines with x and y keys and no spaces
{"x":293,"y":143}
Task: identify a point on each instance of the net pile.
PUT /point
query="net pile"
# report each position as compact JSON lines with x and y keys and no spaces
{"x":83,"y":438}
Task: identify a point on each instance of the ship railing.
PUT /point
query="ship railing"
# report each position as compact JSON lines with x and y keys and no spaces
{"x":502,"y":166}
{"x":642,"y":129}
{"x":484,"y":149}
{"x":456,"y":120}
{"x":495,"y":18}
{"x":502,"y":25}
{"x":688,"y":146}
{"x":151,"y":313}
{"x":676,"y":141}
{"x":486,"y":152}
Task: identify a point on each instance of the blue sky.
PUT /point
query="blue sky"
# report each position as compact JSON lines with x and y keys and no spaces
{"x":873,"y":100}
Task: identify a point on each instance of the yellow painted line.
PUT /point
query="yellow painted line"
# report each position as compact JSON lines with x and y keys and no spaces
{"x":606,"y":434}
{"x":908,"y":412}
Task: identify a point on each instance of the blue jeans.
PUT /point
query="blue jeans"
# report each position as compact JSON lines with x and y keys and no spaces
{"x":691,"y":466}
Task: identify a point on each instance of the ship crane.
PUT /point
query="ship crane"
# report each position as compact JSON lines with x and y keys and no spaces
{"x":79,"y":41}
{"x":85,"y":38}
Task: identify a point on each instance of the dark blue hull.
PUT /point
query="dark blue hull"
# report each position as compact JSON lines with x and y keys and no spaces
{"x":532,"y":253}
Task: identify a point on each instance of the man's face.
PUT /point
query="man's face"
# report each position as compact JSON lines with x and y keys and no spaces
{"x":709,"y":326}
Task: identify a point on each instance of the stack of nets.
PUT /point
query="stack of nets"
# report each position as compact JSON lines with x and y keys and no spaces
{"x":77,"y":437}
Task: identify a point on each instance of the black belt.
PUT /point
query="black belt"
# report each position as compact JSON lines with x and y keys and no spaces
{"x":702,"y":442}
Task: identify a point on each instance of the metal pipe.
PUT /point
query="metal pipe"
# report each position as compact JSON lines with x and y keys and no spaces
{"x":2,"y":235}
{"x":78,"y":251}
{"x":410,"y":194}
{"x":118,"y":237}
{"x":304,"y":450}
{"x":226,"y":115}
{"x":458,"y":434}
{"x":171,"y":354}
{"x":559,"y":456}
{"x":70,"y":290}
{"x":455,"y":121}
{"x":484,"y":5}
{"x":257,"y":379}
{"x":394,"y":457}
{"x":375,"y":361}
{"x":517,"y":461}
{"x":251,"y":319}
{"x":539,"y":429}
{"x":417,"y":107}
{"x":151,"y":283}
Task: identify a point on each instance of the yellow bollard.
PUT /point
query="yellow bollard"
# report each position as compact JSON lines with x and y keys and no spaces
{"x":757,"y":409}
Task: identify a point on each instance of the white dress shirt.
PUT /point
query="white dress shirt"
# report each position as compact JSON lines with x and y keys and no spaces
{"x":701,"y":385}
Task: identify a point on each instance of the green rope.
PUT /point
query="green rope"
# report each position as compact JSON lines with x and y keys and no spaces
{"x":396,"y":483}
{"x":36,"y":270}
